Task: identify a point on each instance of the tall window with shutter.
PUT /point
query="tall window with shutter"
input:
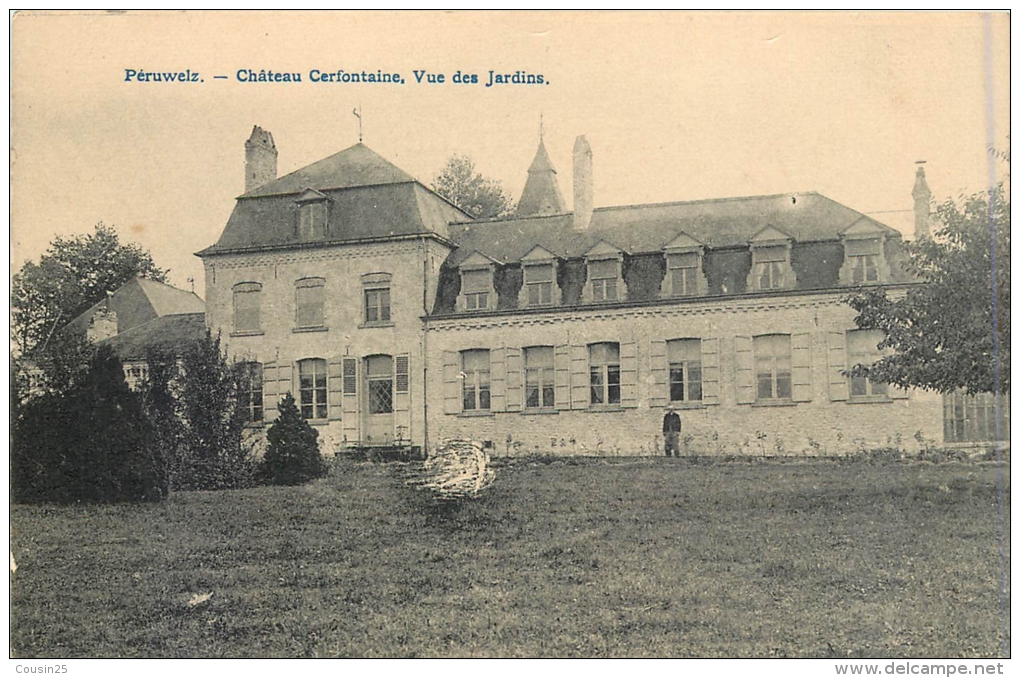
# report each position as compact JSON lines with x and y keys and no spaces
{"x":247,"y":308}
{"x":311,"y":303}
{"x":773,"y":367}
{"x":862,"y":349}
{"x":312,"y":388}
{"x":604,"y":374}
{"x":684,"y":357}
{"x":476,"y":388}
{"x":539,"y":377}
{"x":250,"y":394}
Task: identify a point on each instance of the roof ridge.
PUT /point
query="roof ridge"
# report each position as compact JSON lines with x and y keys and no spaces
{"x":147,"y":323}
{"x":712,"y":200}
{"x":250,"y":196}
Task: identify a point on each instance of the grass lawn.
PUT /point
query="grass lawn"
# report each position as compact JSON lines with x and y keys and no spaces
{"x":642,"y":557}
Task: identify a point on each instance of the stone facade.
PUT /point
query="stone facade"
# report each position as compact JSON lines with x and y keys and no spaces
{"x":556,"y":332}
{"x":822,"y":419}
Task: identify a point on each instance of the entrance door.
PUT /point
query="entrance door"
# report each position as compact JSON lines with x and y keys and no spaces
{"x":379,"y":427}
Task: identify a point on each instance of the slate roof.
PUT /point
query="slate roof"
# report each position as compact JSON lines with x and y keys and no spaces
{"x":367,"y":196}
{"x":541,"y":194}
{"x":172,"y":333}
{"x":139,"y":301}
{"x":721,"y":223}
{"x":355,"y":166}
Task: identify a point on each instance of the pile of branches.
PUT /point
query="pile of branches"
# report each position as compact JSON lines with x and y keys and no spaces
{"x":457,"y":469}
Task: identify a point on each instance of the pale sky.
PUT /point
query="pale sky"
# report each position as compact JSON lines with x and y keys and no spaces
{"x":676,"y":106}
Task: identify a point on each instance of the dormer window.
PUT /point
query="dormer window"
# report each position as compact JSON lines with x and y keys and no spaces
{"x":770,"y":261}
{"x":685,"y":276}
{"x":538,"y":281}
{"x":476,"y":287}
{"x":863,"y":255}
{"x":539,"y":287}
{"x":605,"y":274}
{"x":313,"y":214}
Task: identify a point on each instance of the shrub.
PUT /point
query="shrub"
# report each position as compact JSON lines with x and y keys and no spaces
{"x":90,"y":443}
{"x":293,"y":456}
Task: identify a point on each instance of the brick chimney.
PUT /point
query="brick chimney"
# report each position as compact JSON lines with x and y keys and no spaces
{"x":259,"y":159}
{"x":103,"y":325}
{"x":922,"y":205}
{"x":583,"y":186}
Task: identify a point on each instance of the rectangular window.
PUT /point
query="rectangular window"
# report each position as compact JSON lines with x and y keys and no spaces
{"x":862,"y":349}
{"x":247,"y":307}
{"x":604,"y":275}
{"x":770,"y":267}
{"x":684,"y":370}
{"x":311,"y":310}
{"x":475,"y":366}
{"x":313,"y":219}
{"x":604,"y":372}
{"x":379,"y":372}
{"x":539,"y":377}
{"x":972,"y":417}
{"x":475,"y":288}
{"x":539,"y":282}
{"x":864,"y":268}
{"x":377,"y":305}
{"x":250,"y":392}
{"x":312,"y":391}
{"x":683,"y":274}
{"x":773,"y":367}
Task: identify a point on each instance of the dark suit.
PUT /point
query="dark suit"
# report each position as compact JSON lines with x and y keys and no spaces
{"x":671,"y":432}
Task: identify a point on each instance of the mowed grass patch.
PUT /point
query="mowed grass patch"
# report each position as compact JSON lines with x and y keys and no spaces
{"x":591,"y":558}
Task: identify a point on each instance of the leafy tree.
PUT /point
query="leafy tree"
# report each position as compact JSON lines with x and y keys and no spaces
{"x":953,"y":331}
{"x":293,"y":456}
{"x":71,"y":275}
{"x":213,"y":455}
{"x":480,"y":197}
{"x":159,"y":401}
{"x":90,"y":443}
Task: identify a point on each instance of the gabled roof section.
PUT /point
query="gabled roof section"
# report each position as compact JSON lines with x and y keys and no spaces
{"x":311,"y":195}
{"x":682,"y":241}
{"x":139,"y":301}
{"x":171,"y":333}
{"x":478,"y":259}
{"x":770,"y":234}
{"x":603,"y":250}
{"x":720,"y":223}
{"x":537,"y":253}
{"x":355,"y":166}
{"x":863,"y":228}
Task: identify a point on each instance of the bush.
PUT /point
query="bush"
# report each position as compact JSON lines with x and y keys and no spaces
{"x":91,"y":443}
{"x":212,"y":456}
{"x":293,"y":457}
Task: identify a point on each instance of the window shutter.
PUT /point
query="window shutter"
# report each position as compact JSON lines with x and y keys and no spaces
{"x":402,"y":397}
{"x":514,"y":391}
{"x":451,"y":382}
{"x":658,"y":367}
{"x":562,"y":365}
{"x":579,"y":384}
{"x":800,"y":350}
{"x":839,"y":389}
{"x":709,"y":371}
{"x":497,"y":380}
{"x":285,"y":379}
{"x":628,"y":374}
{"x":336,"y":382}
{"x":744,"y":374}
{"x":351,"y":427}
{"x":270,"y":392}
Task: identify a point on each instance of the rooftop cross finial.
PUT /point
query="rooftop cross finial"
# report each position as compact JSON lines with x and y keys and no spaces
{"x":357,"y":114}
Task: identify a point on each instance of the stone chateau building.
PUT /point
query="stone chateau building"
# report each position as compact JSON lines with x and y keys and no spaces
{"x":395,"y":319}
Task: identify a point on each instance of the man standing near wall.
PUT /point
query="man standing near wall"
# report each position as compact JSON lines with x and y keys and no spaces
{"x":671,"y":432}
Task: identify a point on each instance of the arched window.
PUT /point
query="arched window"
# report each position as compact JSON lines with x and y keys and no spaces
{"x":247,"y":308}
{"x":311,"y":305}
